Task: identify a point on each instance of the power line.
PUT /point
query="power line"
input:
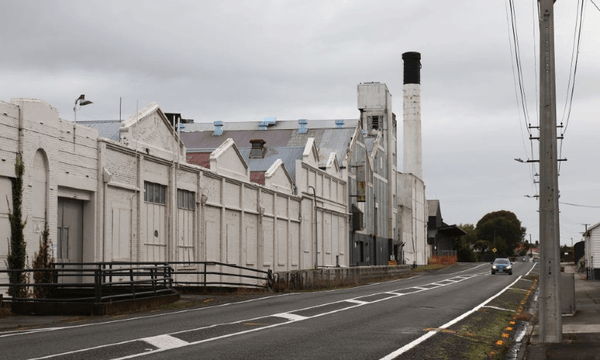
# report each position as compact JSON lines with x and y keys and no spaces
{"x":572,"y":72}
{"x":579,"y":205}
{"x":520,"y":92}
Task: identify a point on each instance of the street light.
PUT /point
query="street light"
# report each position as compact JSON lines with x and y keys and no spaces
{"x":81,"y":101}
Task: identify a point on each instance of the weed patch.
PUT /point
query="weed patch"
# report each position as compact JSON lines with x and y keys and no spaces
{"x":486,"y":334}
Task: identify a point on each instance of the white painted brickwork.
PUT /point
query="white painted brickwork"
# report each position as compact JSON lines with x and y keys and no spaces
{"x":232,"y":220}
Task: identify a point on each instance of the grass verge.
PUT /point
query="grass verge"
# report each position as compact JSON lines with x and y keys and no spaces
{"x":486,"y":334}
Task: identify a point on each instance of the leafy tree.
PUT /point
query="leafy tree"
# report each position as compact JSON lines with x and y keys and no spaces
{"x":43,"y":260}
{"x":17,"y":251}
{"x":471,"y":237}
{"x":464,"y":244}
{"x":502,"y":229}
{"x":482,"y":247}
{"x":463,"y":249}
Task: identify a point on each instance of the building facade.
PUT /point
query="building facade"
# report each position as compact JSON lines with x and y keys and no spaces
{"x":591,"y":240}
{"x":136,"y":198}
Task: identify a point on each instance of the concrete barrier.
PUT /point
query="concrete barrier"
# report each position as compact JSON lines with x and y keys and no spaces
{"x":337,"y":276}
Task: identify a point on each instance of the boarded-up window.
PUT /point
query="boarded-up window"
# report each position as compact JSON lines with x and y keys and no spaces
{"x":251,"y":245}
{"x":233,"y":244}
{"x":268,"y":242}
{"x":212,"y":241}
{"x":121,"y":234}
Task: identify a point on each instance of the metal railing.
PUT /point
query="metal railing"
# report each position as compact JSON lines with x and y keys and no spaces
{"x":99,"y":282}
{"x":206,"y":276}
{"x":95,"y":282}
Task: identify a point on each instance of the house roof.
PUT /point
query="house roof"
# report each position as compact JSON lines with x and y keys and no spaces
{"x":283,"y":140}
{"x":451,"y":230}
{"x":434,"y":207}
{"x":288,"y":156}
{"x":108,"y":129}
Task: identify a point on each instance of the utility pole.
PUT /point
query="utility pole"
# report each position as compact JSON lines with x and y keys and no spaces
{"x":549,"y":298}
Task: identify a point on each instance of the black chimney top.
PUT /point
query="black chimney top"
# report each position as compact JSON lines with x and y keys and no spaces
{"x":412,"y":67}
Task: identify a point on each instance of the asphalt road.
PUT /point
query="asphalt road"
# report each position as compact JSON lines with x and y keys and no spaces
{"x":375,"y":321}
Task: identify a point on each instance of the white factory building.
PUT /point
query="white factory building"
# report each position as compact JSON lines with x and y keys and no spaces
{"x":277,"y":194}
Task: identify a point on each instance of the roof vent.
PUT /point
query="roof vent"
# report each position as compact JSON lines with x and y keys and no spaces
{"x":262,"y":125}
{"x":218,"y":128}
{"x":339,"y":123}
{"x":258,"y":149}
{"x":302,"y":129}
{"x":270,"y":120}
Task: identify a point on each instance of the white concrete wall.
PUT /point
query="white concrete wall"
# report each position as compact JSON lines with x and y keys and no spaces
{"x":592,"y":248}
{"x":328,"y":230}
{"x":412,"y":218}
{"x":60,"y":161}
{"x":233,"y":221}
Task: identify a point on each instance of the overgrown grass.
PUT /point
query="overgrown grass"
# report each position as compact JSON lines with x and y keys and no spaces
{"x":487,"y":334}
{"x":5,"y":310}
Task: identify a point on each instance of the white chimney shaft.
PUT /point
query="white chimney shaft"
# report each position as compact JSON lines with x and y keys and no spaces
{"x":413,"y":147}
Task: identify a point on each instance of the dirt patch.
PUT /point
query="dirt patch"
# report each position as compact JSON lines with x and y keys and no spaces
{"x":5,"y":311}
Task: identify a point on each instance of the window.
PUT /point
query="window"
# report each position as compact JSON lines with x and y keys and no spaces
{"x":155,"y":193}
{"x":375,"y":122}
{"x":186,"y":199}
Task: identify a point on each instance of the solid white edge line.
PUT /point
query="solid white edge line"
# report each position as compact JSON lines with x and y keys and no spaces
{"x":224,"y":336}
{"x":429,"y":334}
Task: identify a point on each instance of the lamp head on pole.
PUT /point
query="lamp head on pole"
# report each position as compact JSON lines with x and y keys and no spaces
{"x":82,"y":101}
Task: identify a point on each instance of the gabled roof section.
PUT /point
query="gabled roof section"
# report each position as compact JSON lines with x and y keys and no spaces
{"x":311,"y":153}
{"x":451,"y":230}
{"x":589,"y":230}
{"x":277,"y":178}
{"x":227,"y":160}
{"x":283,"y":137}
{"x":434,"y":207}
{"x":287,"y":154}
{"x":333,"y":166}
{"x":151,"y":128}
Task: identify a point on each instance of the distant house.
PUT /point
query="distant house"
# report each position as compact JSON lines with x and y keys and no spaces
{"x":591,"y":239}
{"x":440,"y":234}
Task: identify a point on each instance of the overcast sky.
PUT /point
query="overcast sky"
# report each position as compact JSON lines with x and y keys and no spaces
{"x":245,"y":60}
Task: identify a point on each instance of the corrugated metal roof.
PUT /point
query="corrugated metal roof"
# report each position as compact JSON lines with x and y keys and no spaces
{"x":329,"y":138}
{"x":108,"y":129}
{"x":288,"y":156}
{"x":279,"y":125}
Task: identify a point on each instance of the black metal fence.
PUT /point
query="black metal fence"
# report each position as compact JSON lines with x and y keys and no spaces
{"x":99,"y":282}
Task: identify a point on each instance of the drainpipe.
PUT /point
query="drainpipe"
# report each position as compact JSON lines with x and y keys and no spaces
{"x":316,"y":228}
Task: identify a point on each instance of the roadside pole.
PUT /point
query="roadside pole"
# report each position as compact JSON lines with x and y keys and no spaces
{"x":549,"y":297}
